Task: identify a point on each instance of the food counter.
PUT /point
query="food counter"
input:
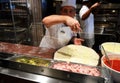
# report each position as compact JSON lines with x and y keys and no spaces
{"x":10,"y":67}
{"x":26,"y":50}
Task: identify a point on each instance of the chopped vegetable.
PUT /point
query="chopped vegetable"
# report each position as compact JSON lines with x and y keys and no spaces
{"x":33,"y":61}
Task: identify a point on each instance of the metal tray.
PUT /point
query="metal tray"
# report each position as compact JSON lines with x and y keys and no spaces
{"x":104,"y":73}
{"x":31,"y":60}
{"x":54,"y":73}
{"x":77,"y":68}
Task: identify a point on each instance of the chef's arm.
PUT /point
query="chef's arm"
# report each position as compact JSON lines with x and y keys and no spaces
{"x":67,"y":20}
{"x":87,"y":13}
{"x":53,"y":19}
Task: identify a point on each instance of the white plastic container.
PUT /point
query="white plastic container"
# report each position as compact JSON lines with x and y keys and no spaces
{"x":111,"y":48}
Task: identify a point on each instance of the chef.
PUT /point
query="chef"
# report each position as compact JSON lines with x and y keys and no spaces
{"x":87,"y":21}
{"x":60,"y":28}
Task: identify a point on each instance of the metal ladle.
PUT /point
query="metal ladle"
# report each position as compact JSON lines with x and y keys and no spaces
{"x":108,"y":60}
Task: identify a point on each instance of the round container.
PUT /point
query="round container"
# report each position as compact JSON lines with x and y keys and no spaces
{"x":115,"y":74}
{"x":111,"y":48}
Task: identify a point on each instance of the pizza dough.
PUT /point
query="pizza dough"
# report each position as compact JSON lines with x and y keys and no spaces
{"x":77,"y":54}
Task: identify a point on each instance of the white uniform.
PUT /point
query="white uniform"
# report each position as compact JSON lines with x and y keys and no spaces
{"x":56,"y":36}
{"x":87,"y":26}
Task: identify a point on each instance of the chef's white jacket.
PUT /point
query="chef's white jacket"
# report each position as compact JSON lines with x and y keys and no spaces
{"x":56,"y":36}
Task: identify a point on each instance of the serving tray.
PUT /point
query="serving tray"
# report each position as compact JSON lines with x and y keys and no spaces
{"x":54,"y":73}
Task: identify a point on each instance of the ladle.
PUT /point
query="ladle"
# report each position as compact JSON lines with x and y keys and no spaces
{"x":108,"y":60}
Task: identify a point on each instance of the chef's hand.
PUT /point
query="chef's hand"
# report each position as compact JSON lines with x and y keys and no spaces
{"x":78,"y":41}
{"x":73,"y":24}
{"x":95,"y":5}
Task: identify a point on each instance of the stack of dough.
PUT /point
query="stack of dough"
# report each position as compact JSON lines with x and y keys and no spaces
{"x":77,"y":54}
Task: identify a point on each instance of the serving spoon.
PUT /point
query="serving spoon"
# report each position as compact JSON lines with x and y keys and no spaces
{"x":108,"y":60}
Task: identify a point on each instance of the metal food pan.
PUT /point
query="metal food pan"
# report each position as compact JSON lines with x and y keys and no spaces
{"x":103,"y":72}
{"x":31,"y":60}
{"x":71,"y":66}
{"x":54,"y":73}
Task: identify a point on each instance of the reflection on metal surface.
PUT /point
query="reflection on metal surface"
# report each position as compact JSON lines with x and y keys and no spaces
{"x":99,"y":30}
{"x":30,"y":76}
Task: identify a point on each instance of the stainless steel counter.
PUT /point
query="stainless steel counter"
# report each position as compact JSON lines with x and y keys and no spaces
{"x":29,"y":76}
{"x":48,"y":75}
{"x":39,"y":74}
{"x":37,"y":78}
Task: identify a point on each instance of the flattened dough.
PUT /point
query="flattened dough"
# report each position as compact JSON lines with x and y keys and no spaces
{"x":77,"y":54}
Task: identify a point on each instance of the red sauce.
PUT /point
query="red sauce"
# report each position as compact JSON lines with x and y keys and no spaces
{"x":115,"y":64}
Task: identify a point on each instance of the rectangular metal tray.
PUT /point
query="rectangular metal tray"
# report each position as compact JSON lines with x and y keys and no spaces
{"x":55,"y":73}
{"x":104,"y":73}
{"x":31,"y":60}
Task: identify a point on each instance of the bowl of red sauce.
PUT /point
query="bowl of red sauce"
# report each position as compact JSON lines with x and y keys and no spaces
{"x":113,"y":67}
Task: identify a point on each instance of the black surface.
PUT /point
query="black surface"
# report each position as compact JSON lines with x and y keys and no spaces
{"x":102,"y":38}
{"x":10,"y":79}
{"x":5,"y":55}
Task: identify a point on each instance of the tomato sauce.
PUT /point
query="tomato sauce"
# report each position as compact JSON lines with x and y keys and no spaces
{"x":115,"y":64}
